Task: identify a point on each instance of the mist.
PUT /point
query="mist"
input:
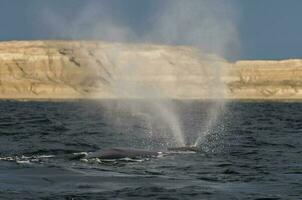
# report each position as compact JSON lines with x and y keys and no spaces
{"x":207,"y":25}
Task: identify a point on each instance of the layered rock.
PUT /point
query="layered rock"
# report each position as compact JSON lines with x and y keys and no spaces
{"x":93,"y":69}
{"x":266,"y":79}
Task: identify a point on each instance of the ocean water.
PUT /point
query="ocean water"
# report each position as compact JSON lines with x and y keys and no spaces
{"x":254,"y":151}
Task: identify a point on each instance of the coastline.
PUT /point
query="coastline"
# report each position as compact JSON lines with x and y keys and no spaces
{"x":96,"y":70}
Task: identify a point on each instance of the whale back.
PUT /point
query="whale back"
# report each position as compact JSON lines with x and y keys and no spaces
{"x":118,"y":153}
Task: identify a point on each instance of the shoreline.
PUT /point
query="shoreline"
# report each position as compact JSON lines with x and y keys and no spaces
{"x":226,"y":100}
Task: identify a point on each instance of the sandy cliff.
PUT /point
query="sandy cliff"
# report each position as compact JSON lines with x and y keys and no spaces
{"x":89,"y":69}
{"x":266,"y":79}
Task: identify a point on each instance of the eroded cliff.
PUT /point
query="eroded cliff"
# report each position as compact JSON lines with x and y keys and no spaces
{"x":91,"y":69}
{"x":266,"y":79}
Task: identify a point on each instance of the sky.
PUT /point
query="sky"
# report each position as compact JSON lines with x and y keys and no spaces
{"x":235,"y":29}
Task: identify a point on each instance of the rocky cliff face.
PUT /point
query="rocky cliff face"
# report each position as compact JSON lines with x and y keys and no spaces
{"x":266,"y":79}
{"x":90,"y":69}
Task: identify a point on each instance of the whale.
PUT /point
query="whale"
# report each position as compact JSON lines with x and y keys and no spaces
{"x":184,"y":149}
{"x":119,"y":153}
{"x":116,"y":153}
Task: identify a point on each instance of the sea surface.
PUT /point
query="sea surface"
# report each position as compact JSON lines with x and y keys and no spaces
{"x":248,"y":150}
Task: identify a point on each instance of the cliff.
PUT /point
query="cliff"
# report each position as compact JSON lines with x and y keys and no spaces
{"x":266,"y":79}
{"x":94,"y":69}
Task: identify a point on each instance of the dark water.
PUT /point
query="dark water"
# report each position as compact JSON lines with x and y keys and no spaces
{"x":254,"y":152}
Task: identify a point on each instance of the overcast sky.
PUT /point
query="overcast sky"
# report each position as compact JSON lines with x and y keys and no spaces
{"x":266,"y":29}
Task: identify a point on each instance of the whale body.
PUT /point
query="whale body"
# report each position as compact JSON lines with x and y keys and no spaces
{"x":119,"y":153}
{"x":185,"y":148}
